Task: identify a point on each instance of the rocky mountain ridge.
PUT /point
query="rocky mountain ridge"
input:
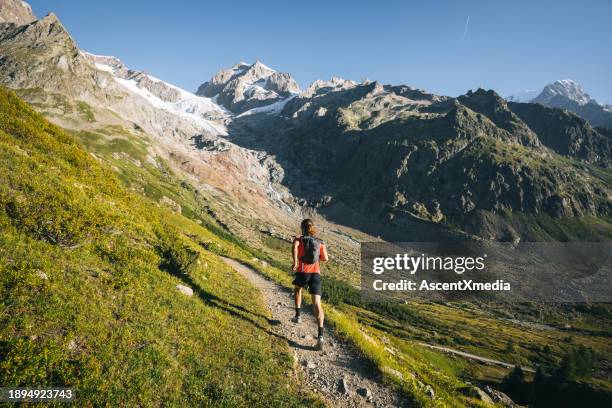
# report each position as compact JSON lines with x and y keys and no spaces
{"x":434,"y":158}
{"x":393,"y":155}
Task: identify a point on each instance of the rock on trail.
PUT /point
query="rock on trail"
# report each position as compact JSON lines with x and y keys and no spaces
{"x":337,"y":374}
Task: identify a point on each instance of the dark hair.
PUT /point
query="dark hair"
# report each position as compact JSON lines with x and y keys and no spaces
{"x":308,"y":227}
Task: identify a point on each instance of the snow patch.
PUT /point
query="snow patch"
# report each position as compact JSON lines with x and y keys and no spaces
{"x":254,"y":90}
{"x":272,"y":109}
{"x":98,"y":56}
{"x":104,"y":67}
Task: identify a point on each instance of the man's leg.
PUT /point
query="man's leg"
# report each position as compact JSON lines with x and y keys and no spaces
{"x":318,"y":311}
{"x":297,"y":297}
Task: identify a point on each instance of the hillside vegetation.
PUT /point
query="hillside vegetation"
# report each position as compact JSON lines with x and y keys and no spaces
{"x":88,"y":276}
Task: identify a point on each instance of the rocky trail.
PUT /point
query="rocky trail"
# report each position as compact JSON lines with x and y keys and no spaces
{"x":337,"y":374}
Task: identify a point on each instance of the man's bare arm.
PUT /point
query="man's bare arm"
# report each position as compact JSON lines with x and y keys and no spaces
{"x":294,"y":252}
{"x":324,"y":256}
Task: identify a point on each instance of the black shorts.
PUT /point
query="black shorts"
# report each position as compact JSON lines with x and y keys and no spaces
{"x":313,"y":280}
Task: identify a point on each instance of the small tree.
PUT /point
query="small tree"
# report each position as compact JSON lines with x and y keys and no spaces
{"x":577,"y":363}
{"x":510,"y":346}
{"x":566,"y":367}
{"x":541,"y":389}
{"x":514,"y":383}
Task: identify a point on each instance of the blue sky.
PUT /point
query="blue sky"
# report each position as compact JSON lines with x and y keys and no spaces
{"x":508,"y":45}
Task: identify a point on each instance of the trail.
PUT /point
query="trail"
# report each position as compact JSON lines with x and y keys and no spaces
{"x":475,"y":357}
{"x":337,"y":374}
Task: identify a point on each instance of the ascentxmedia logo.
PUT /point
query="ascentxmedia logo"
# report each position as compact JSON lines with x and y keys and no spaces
{"x":487,"y":271}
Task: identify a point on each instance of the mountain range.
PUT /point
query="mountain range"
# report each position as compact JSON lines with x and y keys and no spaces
{"x":391,"y":161}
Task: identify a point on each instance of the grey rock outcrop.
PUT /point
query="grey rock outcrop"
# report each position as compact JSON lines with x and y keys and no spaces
{"x":185,"y":290}
{"x":215,"y":85}
{"x":160,"y":89}
{"x":500,"y":398}
{"x":282,"y":83}
{"x":17,"y":12}
{"x":334,"y":84}
{"x":43,"y":55}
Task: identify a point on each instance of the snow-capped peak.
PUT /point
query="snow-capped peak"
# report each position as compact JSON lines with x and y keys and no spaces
{"x":564,"y":88}
{"x":260,"y":64}
{"x":239,"y":67}
{"x":246,"y":86}
{"x":567,"y":88}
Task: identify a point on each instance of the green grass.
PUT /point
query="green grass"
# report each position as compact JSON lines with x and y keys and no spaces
{"x":85,"y":111}
{"x":88,"y":298}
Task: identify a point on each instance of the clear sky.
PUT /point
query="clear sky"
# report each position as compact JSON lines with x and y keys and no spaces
{"x":507,"y":45}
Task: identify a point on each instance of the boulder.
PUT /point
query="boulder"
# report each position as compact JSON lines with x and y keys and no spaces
{"x":500,"y":398}
{"x":344,"y":387}
{"x":392,"y":373}
{"x":476,"y":393}
{"x":185,"y":290}
{"x":171,"y":204}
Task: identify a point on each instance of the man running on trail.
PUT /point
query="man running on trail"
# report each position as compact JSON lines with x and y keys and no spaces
{"x":307,"y":252}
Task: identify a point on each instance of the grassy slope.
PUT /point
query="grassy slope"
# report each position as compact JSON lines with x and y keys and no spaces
{"x":87,"y":279}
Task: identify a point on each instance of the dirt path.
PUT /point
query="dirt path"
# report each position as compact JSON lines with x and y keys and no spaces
{"x":338,"y":374}
{"x":475,"y":357}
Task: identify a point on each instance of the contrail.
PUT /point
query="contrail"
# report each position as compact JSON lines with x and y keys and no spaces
{"x":467,"y":23}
